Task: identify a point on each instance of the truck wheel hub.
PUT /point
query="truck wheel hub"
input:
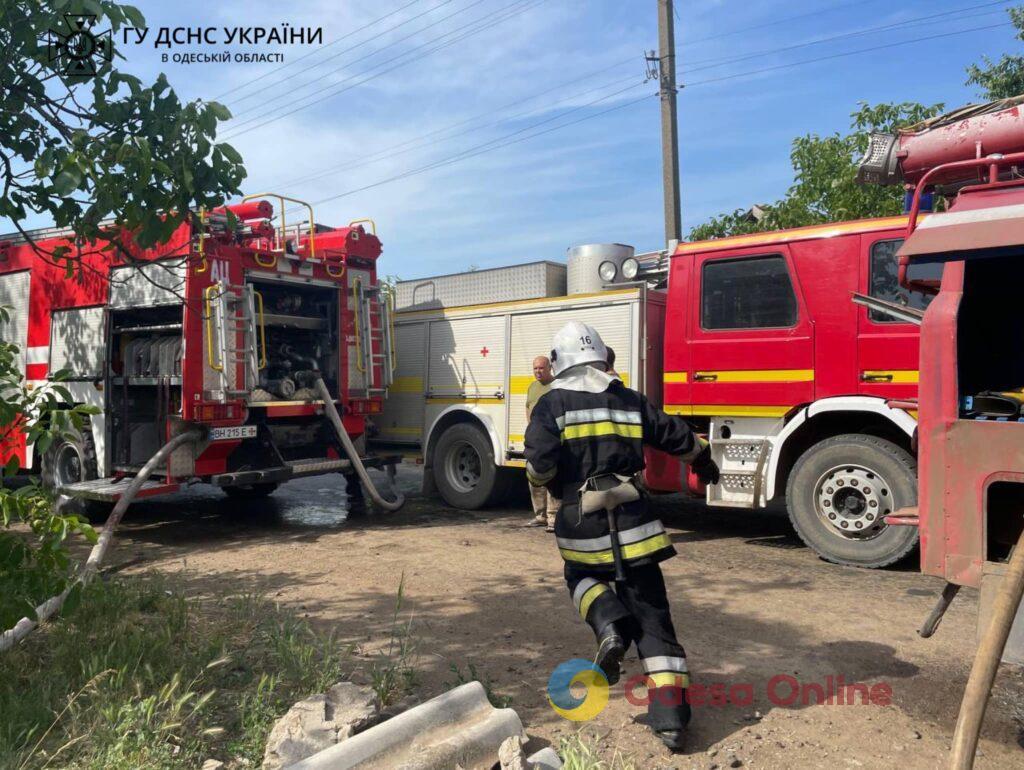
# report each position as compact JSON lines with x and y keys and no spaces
{"x":463,"y":467}
{"x":67,"y":465}
{"x":852,"y":501}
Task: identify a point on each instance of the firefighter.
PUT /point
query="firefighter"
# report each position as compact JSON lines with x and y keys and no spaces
{"x":585,"y":443}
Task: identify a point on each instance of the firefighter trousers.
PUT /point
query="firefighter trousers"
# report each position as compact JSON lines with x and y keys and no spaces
{"x":640,"y":610}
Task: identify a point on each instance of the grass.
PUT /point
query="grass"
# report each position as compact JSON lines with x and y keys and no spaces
{"x":472,"y":675}
{"x":138,"y":675}
{"x":581,"y":752}
{"x":393,"y":673}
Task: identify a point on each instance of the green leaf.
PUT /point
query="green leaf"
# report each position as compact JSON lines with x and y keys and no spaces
{"x":219,"y":110}
{"x":230,"y":152}
{"x":67,"y":182}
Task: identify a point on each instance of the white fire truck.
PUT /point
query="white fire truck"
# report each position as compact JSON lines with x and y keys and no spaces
{"x":465,"y":346}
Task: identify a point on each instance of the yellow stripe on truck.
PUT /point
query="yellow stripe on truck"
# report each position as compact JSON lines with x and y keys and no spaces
{"x":675,"y":377}
{"x":406,"y":385}
{"x":727,"y":410}
{"x":518,"y":384}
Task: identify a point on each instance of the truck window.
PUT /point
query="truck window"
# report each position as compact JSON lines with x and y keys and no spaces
{"x":884,"y":280}
{"x":748,"y":293}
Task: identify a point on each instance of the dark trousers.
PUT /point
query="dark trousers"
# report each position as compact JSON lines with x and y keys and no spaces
{"x":639,"y":608}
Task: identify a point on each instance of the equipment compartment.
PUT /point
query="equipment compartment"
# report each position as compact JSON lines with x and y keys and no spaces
{"x":300,"y":325}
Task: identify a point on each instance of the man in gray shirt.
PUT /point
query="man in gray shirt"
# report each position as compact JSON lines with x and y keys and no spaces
{"x":544,"y":505}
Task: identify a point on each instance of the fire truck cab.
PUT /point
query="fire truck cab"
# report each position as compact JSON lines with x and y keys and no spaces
{"x":802,"y":393}
{"x":226,"y":328}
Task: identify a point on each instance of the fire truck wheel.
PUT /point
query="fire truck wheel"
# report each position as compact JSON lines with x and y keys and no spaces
{"x":464,"y":468}
{"x":69,"y":460}
{"x":250,"y":491}
{"x":839,"y":492}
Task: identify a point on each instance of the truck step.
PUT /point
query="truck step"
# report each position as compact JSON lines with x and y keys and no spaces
{"x":315,"y":467}
{"x":109,"y":490}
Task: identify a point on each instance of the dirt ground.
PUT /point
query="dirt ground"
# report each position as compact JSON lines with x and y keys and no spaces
{"x":749,"y":602}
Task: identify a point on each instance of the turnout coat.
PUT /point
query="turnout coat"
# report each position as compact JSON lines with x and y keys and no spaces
{"x":590,"y":424}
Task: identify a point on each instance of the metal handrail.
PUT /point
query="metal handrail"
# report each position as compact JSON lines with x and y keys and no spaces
{"x":281,"y":199}
{"x":204,"y":264}
{"x":994,"y":162}
{"x":357,"y":286}
{"x":263,"y":332}
{"x":373,"y":225}
{"x":217,"y":367}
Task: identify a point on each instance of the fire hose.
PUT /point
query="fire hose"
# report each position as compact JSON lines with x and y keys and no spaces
{"x":986,"y":662}
{"x":350,"y":450}
{"x":52,"y":606}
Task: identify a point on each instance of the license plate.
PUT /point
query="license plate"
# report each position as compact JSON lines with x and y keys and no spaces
{"x":233,"y":432}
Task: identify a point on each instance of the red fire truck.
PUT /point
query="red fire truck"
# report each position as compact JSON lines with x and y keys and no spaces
{"x":227,"y":328}
{"x":972,"y":382}
{"x":802,"y":393}
{"x":753,"y":338}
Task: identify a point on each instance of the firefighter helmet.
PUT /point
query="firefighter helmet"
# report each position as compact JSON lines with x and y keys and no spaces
{"x":574,"y":344}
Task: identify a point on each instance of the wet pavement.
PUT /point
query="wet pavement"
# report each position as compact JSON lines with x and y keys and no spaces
{"x":316,"y":502}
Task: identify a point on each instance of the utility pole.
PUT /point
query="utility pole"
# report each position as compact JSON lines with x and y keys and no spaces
{"x":669,"y":125}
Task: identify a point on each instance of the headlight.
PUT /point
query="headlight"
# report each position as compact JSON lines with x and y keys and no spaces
{"x":607,"y":271}
{"x":630,"y":268}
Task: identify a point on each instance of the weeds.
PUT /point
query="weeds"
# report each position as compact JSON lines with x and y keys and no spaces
{"x":392,"y":675}
{"x":498,"y":701}
{"x":140,"y":676}
{"x":581,"y":752}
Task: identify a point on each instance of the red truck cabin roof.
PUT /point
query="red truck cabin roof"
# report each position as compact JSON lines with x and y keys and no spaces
{"x":810,"y":232}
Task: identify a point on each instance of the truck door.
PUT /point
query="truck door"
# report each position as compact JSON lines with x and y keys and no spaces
{"x":752,"y":347}
{"x":676,"y":347}
{"x":887,"y":349}
{"x":402,"y":419}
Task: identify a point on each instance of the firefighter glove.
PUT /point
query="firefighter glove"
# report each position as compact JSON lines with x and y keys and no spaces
{"x":705,"y":467}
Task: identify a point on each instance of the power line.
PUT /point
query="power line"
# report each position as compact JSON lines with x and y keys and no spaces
{"x":840,"y":55}
{"x":783,"y":20}
{"x":525,"y":6}
{"x":423,"y":141}
{"x":505,"y":141}
{"x":929,"y":18}
{"x":318,"y":50}
{"x":312,"y":99}
{"x":392,"y":44}
{"x":502,"y":142}
{"x":389,"y":153}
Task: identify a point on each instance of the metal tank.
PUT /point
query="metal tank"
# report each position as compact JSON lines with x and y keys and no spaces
{"x":584,"y":261}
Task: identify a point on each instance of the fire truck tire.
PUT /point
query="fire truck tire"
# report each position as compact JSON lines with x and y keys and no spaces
{"x":250,"y":491}
{"x":840,"y":490}
{"x":465,"y":471}
{"x":67,"y":460}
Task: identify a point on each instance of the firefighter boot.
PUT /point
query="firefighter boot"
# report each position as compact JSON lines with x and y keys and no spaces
{"x":611,"y":649}
{"x":668,"y":714}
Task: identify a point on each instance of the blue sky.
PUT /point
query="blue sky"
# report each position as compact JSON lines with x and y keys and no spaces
{"x":596,"y":180}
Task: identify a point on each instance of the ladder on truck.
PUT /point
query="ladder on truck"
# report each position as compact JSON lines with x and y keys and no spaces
{"x":234,"y":338}
{"x":375,"y":345}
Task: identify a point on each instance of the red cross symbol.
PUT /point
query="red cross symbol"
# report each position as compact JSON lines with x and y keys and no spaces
{"x":484,"y":351}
